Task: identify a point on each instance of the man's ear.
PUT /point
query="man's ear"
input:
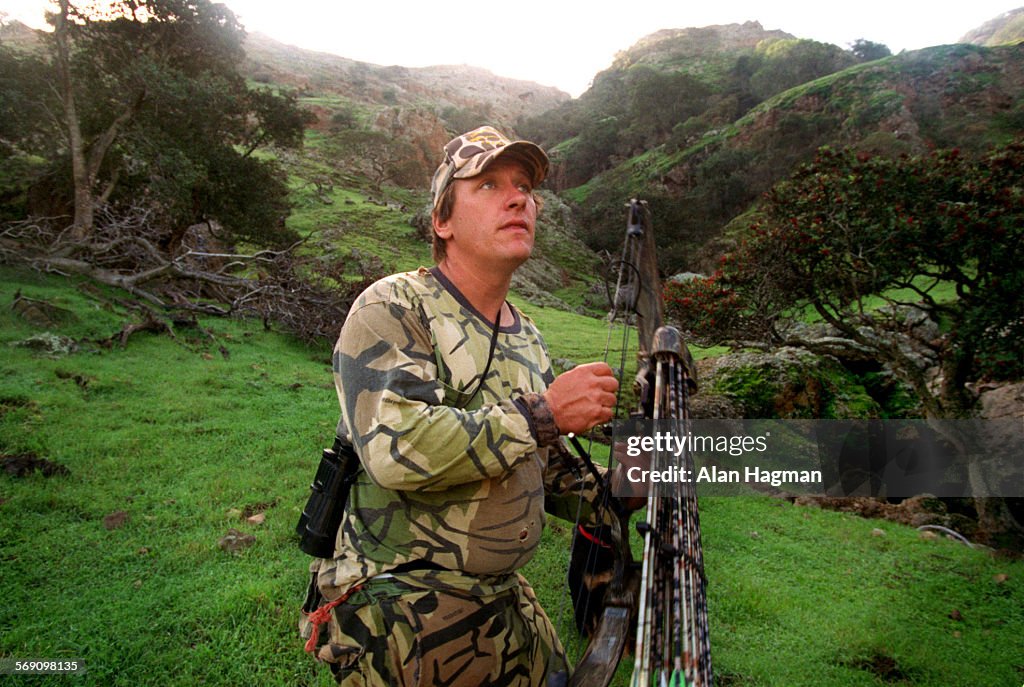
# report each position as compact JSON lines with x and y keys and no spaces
{"x":442,"y":229}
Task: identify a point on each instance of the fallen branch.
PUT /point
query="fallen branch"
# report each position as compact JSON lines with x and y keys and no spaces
{"x":150,"y":324}
{"x":277,"y":285}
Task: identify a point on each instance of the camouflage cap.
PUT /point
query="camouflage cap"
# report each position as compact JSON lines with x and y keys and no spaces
{"x":467,"y":155}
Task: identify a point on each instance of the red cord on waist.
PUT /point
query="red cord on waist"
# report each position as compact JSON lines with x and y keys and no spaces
{"x":323,"y":615}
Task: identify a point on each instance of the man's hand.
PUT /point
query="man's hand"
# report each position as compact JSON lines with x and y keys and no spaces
{"x":582,"y":397}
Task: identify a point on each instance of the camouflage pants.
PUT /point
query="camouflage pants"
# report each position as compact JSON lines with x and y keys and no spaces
{"x":391,"y":632}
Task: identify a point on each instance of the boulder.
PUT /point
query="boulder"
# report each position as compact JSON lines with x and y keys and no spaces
{"x":784,"y":383}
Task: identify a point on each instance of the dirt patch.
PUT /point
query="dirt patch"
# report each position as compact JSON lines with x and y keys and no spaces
{"x":24,"y":464}
{"x":257,"y":508}
{"x":115,"y":520}
{"x":41,"y":313}
{"x":11,"y":403}
{"x":882,"y":666}
{"x":915,"y":512}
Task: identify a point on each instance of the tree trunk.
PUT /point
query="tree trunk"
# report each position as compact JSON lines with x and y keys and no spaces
{"x":80,"y":172}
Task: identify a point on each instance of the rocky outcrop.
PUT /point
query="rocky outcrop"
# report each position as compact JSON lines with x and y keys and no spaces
{"x":784,"y":383}
{"x":422,"y":128}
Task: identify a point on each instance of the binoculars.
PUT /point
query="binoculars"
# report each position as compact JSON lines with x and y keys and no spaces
{"x":318,"y":525}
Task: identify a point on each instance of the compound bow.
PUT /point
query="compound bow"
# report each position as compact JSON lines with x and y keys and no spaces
{"x":672,"y":647}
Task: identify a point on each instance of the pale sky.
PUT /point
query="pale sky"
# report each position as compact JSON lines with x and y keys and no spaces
{"x":565,"y":43}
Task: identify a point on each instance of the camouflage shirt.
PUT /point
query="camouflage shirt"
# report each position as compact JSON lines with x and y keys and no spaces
{"x":451,"y":476}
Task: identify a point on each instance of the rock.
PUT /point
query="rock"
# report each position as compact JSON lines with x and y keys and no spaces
{"x":49,"y":344}
{"x":423,"y":129}
{"x":236,"y":541}
{"x":714,"y":407}
{"x":924,"y":504}
{"x":422,"y":223}
{"x":785,"y":383}
{"x":1002,"y":401}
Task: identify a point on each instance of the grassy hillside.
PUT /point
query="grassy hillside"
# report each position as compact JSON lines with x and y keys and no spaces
{"x":170,"y":443}
{"x":959,"y":96}
{"x":384,"y":228}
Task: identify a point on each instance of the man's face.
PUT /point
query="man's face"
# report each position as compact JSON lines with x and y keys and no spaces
{"x":493,"y":218}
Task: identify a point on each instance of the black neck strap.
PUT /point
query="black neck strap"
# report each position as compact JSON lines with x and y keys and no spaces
{"x":490,"y":357}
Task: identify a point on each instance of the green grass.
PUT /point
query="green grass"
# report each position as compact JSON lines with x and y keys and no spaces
{"x":182,"y":437}
{"x":346,"y":217}
{"x":800,"y":596}
{"x":826,"y":602}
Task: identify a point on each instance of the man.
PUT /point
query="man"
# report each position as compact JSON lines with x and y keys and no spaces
{"x":448,"y":397}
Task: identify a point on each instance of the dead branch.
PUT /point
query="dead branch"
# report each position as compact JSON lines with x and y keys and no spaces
{"x":124,"y":251}
{"x":150,"y":324}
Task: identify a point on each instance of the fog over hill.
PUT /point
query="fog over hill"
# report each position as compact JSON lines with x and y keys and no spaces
{"x":502,"y":100}
{"x":1006,"y":29}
